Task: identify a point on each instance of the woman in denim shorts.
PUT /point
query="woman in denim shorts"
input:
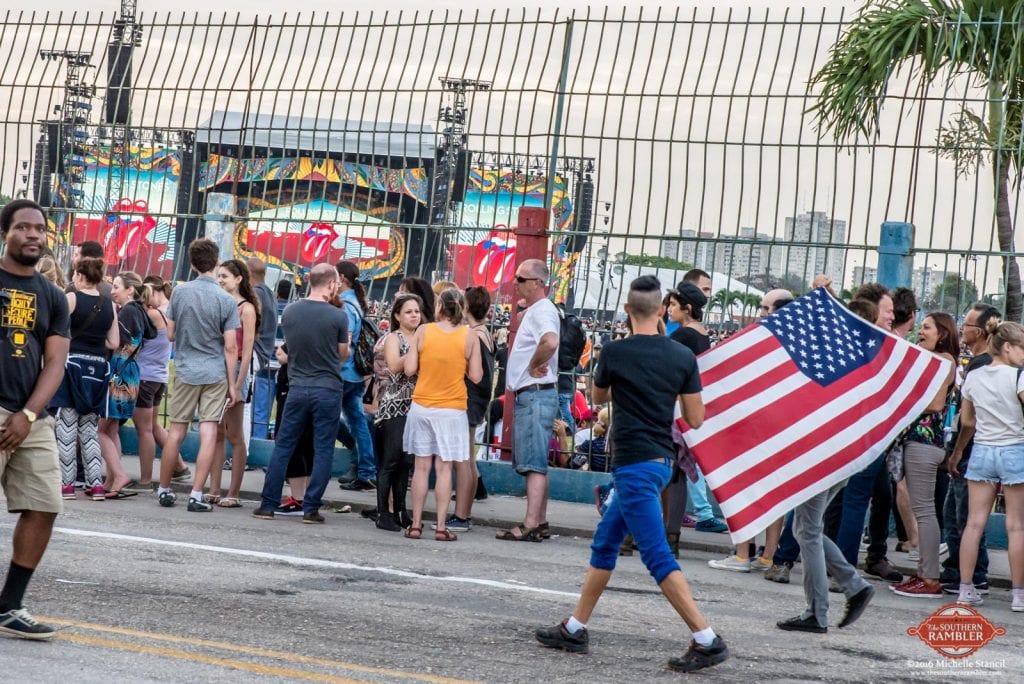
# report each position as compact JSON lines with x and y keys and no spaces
{"x":992,"y":413}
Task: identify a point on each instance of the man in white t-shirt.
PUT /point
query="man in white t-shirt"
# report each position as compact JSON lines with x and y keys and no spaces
{"x":532,"y":378}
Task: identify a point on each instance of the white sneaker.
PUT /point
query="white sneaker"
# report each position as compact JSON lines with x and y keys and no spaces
{"x":914,"y":554}
{"x":1018,"y":602}
{"x":943,"y":550}
{"x":733,"y":563}
{"x":970,"y":596}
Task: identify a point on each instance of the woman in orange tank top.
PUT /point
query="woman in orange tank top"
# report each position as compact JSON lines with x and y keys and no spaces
{"x":443,"y":354}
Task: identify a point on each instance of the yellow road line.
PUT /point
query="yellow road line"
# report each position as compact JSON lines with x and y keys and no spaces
{"x":270,"y":670}
{"x":294,"y":658}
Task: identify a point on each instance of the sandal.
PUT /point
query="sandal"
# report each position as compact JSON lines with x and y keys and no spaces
{"x":211,"y":498}
{"x":530,"y":534}
{"x":445,"y":535}
{"x":414,"y":532}
{"x":229,"y":502}
{"x":545,"y":530}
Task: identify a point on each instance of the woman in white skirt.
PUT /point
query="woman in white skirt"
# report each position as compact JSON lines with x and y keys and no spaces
{"x":443,"y":354}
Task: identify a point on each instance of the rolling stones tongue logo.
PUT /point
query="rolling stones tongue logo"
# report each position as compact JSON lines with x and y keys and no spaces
{"x":126,"y":229}
{"x":494,"y":261}
{"x":316,"y":241}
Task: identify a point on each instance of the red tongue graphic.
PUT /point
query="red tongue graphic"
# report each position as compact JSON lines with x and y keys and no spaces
{"x":316,"y":241}
{"x":494,"y":261}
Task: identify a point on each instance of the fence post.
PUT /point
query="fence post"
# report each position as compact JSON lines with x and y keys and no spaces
{"x":895,"y":255}
{"x":531,"y":243}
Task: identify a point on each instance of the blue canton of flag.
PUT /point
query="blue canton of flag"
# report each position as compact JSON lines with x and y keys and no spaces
{"x":823,"y":338}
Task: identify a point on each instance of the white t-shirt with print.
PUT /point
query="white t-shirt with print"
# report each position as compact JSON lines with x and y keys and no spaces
{"x":540,"y":318}
{"x":994,"y":392}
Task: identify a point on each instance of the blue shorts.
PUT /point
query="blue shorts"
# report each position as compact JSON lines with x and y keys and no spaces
{"x":535,"y":412}
{"x":991,"y":463}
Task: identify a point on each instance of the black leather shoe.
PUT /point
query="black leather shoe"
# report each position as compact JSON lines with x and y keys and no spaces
{"x":855,"y":606}
{"x":801,"y":624}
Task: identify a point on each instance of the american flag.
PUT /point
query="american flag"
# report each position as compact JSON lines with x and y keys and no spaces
{"x":802,"y":400}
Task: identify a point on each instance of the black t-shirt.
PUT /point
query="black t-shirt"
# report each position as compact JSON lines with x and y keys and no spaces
{"x":313,"y":331}
{"x":646,"y":374}
{"x":31,"y":310}
{"x":691,"y":339}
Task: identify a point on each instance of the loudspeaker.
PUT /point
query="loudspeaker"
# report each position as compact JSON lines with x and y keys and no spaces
{"x":189,"y":209}
{"x":117,"y":109}
{"x":583,"y":216}
{"x":42,"y":180}
{"x":461,"y":175}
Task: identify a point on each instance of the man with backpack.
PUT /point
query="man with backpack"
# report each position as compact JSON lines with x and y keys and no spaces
{"x":571,"y":341}
{"x":363,"y":477}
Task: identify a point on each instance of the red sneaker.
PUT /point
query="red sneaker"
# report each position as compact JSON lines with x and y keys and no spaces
{"x":915,"y":587}
{"x":689,"y":521}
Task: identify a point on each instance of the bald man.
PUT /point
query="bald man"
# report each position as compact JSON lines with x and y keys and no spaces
{"x":265,"y":377}
{"x":773,"y":300}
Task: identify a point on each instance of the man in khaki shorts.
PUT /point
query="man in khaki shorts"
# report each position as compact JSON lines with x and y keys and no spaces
{"x":201,"y":321}
{"x":34,"y":338}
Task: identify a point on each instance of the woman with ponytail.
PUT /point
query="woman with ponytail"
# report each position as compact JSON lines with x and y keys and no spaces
{"x":233,"y":277}
{"x":353,"y":301}
{"x":134,"y":326}
{"x":444,"y":354}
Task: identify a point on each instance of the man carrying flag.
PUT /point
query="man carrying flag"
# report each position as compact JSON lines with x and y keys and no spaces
{"x":796,"y":404}
{"x":643,"y":375}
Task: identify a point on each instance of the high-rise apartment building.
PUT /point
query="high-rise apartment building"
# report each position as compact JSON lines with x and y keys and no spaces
{"x":818,"y":255}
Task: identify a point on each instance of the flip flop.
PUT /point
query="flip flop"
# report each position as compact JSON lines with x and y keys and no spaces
{"x":121,"y":494}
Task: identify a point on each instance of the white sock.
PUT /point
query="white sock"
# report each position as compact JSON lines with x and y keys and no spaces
{"x":964,"y":586}
{"x":162,"y":490}
{"x":198,"y":496}
{"x":572,"y":625}
{"x":704,"y":637}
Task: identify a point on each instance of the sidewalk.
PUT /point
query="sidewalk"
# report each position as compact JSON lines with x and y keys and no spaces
{"x":568,"y":519}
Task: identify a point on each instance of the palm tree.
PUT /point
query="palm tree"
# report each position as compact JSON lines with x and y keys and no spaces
{"x":750,"y":301}
{"x":721,"y":300}
{"x":936,"y":40}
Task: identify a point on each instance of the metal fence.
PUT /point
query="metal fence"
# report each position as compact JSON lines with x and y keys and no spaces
{"x":408,"y":141}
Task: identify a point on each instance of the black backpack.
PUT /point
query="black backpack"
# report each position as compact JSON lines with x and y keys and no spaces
{"x":362,"y":348}
{"x":571,"y":341}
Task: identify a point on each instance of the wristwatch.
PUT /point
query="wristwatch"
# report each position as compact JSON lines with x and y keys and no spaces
{"x":30,"y":414}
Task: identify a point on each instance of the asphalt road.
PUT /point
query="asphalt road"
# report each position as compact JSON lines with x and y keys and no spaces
{"x":150,"y":594}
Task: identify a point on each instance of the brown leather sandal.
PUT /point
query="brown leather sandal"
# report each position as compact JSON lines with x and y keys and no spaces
{"x":526,"y":534}
{"x":445,"y":535}
{"x":414,"y":532}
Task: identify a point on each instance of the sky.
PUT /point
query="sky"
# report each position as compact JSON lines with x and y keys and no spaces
{"x":693,"y":125}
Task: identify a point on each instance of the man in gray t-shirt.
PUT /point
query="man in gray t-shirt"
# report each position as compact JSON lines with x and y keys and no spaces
{"x":201,"y":321}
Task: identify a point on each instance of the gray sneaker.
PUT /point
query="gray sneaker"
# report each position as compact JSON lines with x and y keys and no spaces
{"x":167,"y":499}
{"x":456,"y":524}
{"x":778,"y":573}
{"x":732,"y":563}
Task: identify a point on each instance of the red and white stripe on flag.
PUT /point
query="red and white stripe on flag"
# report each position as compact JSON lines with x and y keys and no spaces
{"x":800,"y":401}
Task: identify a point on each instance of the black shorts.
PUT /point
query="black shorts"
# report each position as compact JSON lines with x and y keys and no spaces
{"x":150,"y":394}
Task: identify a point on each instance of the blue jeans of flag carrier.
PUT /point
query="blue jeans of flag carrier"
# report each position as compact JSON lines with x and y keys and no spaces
{"x":636,"y":510}
{"x":697,"y":493}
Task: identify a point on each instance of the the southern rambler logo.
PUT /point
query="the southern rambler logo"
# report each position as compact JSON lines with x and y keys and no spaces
{"x":956,"y":631}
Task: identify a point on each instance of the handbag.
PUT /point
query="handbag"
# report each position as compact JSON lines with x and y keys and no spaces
{"x":894,"y":459}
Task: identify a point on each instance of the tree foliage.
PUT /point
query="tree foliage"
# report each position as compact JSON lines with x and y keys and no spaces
{"x":933,"y":41}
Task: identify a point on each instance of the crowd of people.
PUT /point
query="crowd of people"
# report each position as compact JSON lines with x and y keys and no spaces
{"x":420,"y":390}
